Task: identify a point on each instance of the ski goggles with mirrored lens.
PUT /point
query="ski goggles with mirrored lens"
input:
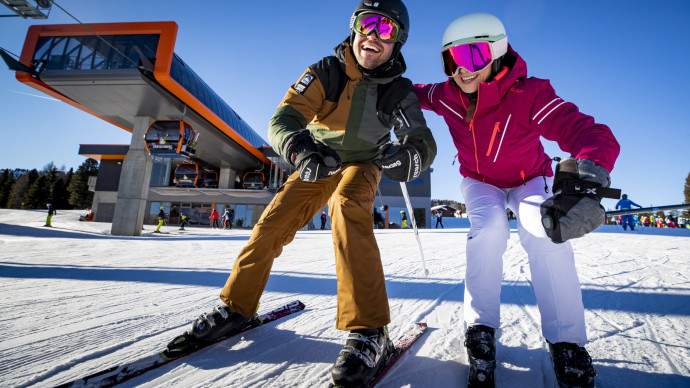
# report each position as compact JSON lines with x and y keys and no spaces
{"x":386,"y":29}
{"x":471,"y":56}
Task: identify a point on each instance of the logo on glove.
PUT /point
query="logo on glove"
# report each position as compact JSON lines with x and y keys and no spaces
{"x":417,"y":164}
{"x":306,"y":173}
{"x":397,"y":163}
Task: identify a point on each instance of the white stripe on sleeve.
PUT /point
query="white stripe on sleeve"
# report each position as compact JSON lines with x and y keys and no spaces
{"x":458,"y":114}
{"x":546,"y":106}
{"x":554,"y":108}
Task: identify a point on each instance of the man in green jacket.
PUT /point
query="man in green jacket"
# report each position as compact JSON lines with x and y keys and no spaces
{"x":333,"y":126}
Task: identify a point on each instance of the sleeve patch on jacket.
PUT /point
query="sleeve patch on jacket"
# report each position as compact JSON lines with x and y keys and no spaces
{"x":303,"y":83}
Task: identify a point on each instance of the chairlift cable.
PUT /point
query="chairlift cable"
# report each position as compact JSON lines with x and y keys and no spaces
{"x":9,"y":52}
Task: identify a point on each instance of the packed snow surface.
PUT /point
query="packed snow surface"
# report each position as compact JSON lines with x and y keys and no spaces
{"x":76,"y":300}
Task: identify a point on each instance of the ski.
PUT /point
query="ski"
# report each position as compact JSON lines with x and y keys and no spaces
{"x":401,"y":345}
{"x":120,"y":373}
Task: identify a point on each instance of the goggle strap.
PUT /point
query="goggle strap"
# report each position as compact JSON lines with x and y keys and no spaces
{"x":490,"y":39}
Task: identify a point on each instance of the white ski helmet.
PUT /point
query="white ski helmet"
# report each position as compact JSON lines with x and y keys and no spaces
{"x":476,"y":27}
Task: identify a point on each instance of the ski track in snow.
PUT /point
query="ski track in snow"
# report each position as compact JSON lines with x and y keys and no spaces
{"x":77,"y":300}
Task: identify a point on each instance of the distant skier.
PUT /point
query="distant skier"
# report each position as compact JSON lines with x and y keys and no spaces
{"x":214,"y":219}
{"x":183,"y":220}
{"x":51,"y":213}
{"x":439,"y":219}
{"x":161,"y":219}
{"x":323,"y":220}
{"x":378,"y":220}
{"x":626,"y":219}
{"x":87,"y":216}
{"x":227,"y":219}
{"x":404,"y":219}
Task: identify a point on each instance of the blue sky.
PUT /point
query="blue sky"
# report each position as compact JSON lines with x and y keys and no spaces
{"x":623,"y":62}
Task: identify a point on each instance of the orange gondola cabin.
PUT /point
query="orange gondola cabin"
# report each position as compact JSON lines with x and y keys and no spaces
{"x":189,"y":175}
{"x":170,"y":138}
{"x":253,"y":180}
{"x":211,"y":179}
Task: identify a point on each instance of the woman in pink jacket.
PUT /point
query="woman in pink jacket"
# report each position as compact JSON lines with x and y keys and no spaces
{"x":496,"y":116}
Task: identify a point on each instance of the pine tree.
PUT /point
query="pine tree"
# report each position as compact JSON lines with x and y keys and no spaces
{"x":6,"y":182}
{"x":80,"y":196}
{"x":59,"y":196}
{"x":33,"y":175}
{"x":39,"y":193}
{"x":18,"y":193}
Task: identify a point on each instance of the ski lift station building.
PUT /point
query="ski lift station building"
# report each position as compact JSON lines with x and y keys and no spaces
{"x":189,"y":151}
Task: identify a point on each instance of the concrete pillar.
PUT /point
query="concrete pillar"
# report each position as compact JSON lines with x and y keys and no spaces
{"x":134,"y":184}
{"x":276,"y":173}
{"x":226,"y":177}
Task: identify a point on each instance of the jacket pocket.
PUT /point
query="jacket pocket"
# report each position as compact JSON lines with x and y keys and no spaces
{"x":496,"y":132}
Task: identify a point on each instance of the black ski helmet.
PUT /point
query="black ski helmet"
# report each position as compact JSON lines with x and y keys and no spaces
{"x":394,"y":9}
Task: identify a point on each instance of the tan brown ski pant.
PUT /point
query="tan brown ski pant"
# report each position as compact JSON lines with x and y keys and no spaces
{"x":350,"y":194}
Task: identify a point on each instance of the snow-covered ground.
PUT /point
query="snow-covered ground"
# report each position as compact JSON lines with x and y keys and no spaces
{"x":75,"y":300}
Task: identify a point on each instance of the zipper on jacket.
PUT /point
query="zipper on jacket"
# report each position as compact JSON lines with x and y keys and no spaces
{"x":474,"y":141}
{"x":497,"y":131}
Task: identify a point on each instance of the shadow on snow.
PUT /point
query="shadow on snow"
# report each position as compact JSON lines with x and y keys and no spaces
{"x":519,"y":294}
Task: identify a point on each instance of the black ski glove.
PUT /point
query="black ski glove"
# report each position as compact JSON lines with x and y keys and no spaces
{"x":574,"y":210}
{"x":312,"y":160}
{"x":402,"y":162}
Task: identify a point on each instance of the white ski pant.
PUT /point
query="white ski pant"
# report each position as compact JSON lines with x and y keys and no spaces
{"x":552,"y":266}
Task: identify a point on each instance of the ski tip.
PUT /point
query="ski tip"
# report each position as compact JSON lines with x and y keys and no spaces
{"x":421,"y":325}
{"x":295,"y":304}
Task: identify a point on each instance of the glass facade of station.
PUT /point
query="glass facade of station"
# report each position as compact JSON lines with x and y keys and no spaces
{"x":243,"y":216}
{"x":92,"y":53}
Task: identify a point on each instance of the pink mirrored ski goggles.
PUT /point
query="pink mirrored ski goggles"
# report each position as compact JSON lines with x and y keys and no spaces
{"x":386,"y":29}
{"x":472,"y":56}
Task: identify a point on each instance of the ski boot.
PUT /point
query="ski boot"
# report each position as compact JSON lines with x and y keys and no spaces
{"x":365,"y":353}
{"x":572,"y":364}
{"x":480,"y":342}
{"x":221,"y":322}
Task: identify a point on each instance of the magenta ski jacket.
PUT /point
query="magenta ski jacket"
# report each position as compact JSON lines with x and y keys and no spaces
{"x":501,"y":144}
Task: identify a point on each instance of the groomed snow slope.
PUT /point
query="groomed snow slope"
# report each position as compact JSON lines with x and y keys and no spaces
{"x":76,"y":300}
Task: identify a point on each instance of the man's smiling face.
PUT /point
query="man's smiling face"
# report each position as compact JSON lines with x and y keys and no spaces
{"x":370,"y":51}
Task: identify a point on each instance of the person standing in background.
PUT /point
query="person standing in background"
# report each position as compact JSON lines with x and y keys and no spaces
{"x":51,"y":213}
{"x":214,"y":219}
{"x":323,"y":220}
{"x":626,"y":219}
{"x":161,"y":219}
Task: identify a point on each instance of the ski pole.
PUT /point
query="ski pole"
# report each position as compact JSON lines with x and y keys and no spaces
{"x":414,"y":225}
